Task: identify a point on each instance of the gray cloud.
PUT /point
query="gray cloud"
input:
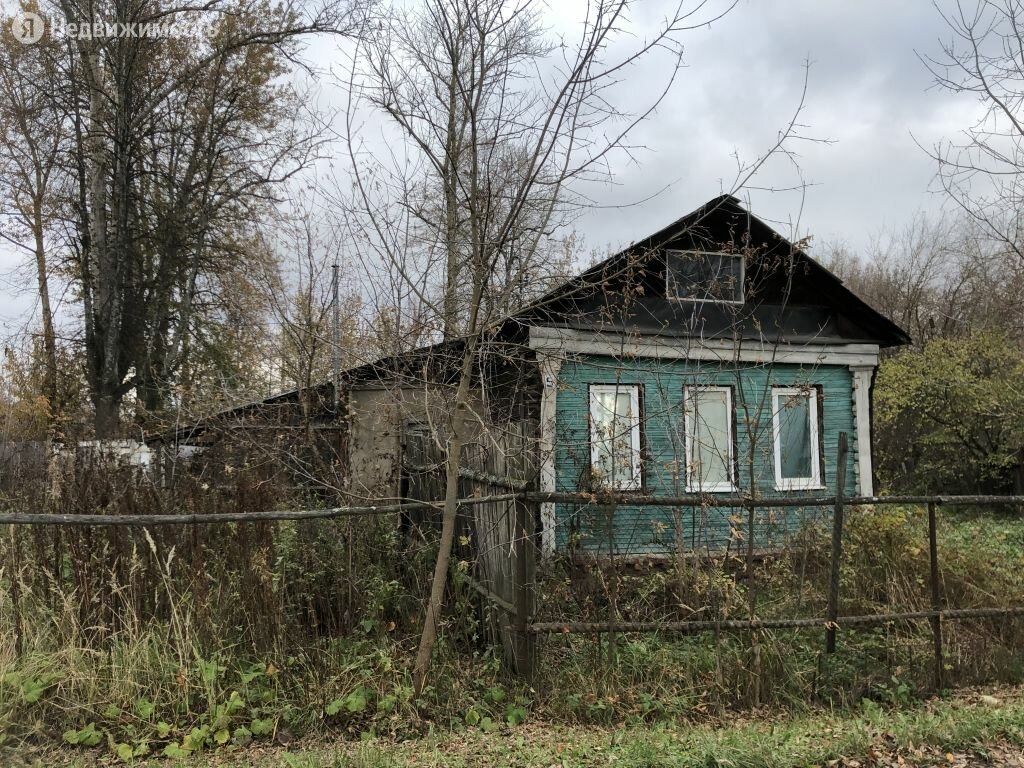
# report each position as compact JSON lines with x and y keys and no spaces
{"x":867,"y":92}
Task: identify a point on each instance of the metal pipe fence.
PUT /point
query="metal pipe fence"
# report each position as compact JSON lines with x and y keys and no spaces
{"x":832,"y":620}
{"x":521,"y":546}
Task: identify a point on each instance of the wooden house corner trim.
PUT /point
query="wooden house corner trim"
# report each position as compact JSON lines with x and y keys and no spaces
{"x":862,"y":375}
{"x":550,"y":366}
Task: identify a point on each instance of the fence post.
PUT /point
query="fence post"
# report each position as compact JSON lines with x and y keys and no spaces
{"x":936,"y":620}
{"x":15,"y":575}
{"x":837,"y":545}
{"x":525,"y":643}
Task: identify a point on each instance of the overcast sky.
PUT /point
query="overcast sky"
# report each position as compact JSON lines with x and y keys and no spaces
{"x":868,"y":94}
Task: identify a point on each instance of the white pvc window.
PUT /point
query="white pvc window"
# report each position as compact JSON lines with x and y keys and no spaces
{"x":795,"y":427}
{"x":701,"y":276}
{"x":709,"y":439}
{"x":615,"y":436}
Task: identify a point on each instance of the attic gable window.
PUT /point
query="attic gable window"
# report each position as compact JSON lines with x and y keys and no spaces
{"x":700,"y":276}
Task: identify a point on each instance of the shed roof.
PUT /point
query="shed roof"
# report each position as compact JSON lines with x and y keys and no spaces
{"x":801,"y":301}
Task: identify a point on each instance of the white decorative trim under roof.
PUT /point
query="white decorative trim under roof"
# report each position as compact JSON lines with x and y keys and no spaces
{"x":566,"y":340}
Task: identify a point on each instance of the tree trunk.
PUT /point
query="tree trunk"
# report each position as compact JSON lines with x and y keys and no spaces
{"x":49,"y":336}
{"x":101,"y":283}
{"x":450,"y":179}
{"x":451,"y":497}
{"x":107,"y":421}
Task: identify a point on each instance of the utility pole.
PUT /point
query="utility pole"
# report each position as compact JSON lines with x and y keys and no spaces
{"x":336,"y":336}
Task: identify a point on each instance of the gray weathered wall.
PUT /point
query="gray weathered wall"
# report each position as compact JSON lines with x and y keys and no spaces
{"x":378,"y":416}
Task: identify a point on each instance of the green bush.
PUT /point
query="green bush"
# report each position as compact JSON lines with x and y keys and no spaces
{"x":950,"y":418}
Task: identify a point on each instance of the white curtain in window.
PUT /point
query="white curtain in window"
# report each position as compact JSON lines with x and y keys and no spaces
{"x":795,"y":437}
{"x":615,"y":433}
{"x":709,"y":432}
{"x":795,"y":417}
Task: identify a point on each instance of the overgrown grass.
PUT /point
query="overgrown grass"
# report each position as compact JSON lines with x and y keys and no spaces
{"x":884,"y":569}
{"x":996,"y":534}
{"x":156,"y":663}
{"x":779,"y":743}
{"x":808,"y":740}
{"x":974,"y":727}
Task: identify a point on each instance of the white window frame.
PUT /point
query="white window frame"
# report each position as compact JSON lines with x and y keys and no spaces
{"x":814,"y":482}
{"x":743,"y":277}
{"x":693,"y":484}
{"x":636,"y":482}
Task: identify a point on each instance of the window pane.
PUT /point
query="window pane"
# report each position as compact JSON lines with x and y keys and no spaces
{"x":708,"y":429}
{"x":704,"y":276}
{"x":613,"y":452}
{"x":795,"y":436}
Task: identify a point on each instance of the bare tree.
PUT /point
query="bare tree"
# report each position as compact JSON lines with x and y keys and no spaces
{"x":937,"y":278}
{"x":498,"y":121}
{"x":982,"y":170}
{"x":32,"y":133}
{"x":173,"y":148}
{"x":299,"y":292}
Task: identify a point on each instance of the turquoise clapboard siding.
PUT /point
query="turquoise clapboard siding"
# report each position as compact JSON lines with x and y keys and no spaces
{"x":626,"y":529}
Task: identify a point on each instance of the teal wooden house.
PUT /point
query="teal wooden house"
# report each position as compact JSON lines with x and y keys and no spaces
{"x":711,"y":357}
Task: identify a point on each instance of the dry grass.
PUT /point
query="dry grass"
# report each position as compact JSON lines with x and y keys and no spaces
{"x":194,"y":640}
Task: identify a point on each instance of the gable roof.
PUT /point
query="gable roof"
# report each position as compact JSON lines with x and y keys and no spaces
{"x":819,"y":307}
{"x":800,"y":300}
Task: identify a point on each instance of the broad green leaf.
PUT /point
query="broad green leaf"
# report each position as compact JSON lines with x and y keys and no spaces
{"x":145,"y":708}
{"x":176,"y":751}
{"x":125,"y":752}
{"x":260,"y":727}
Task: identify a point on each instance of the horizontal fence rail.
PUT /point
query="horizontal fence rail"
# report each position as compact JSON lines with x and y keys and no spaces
{"x":328,"y":513}
{"x":31,"y":518}
{"x":705,"y":625}
{"x":469,"y":474}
